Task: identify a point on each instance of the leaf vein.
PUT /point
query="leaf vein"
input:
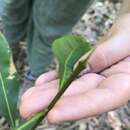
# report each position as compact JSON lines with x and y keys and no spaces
{"x":6,"y":99}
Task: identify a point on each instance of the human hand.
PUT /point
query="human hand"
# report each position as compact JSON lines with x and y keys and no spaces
{"x":93,"y":93}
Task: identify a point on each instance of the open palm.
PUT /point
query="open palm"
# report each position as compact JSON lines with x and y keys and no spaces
{"x":104,"y":88}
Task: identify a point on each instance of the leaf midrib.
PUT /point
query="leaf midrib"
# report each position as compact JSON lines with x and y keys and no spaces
{"x":7,"y":102}
{"x":65,"y":66}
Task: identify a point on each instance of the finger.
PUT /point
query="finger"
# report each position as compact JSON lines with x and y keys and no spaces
{"x":110,"y":52}
{"x":121,"y":67}
{"x":47,"y":77}
{"x":42,"y":88}
{"x":112,"y":93}
{"x":39,"y":98}
{"x":127,"y":59}
{"x":84,"y":83}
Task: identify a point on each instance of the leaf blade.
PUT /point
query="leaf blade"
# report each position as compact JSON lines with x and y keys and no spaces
{"x":68,"y":50}
{"x":9,"y":84}
{"x":6,"y":99}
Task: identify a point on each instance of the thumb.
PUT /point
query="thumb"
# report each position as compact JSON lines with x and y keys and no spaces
{"x":110,"y":52}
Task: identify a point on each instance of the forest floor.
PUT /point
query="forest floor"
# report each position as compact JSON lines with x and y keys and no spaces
{"x":93,"y":25}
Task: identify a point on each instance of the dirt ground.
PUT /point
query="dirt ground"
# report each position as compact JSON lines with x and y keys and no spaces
{"x":93,"y":25}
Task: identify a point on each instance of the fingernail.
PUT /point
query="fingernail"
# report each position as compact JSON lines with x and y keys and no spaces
{"x":86,"y":70}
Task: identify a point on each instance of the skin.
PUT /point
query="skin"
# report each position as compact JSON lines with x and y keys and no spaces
{"x":104,"y":88}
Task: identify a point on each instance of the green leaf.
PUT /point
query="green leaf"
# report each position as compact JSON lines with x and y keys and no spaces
{"x":5,"y":55}
{"x":9,"y":85}
{"x":30,"y":124}
{"x":68,"y":50}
